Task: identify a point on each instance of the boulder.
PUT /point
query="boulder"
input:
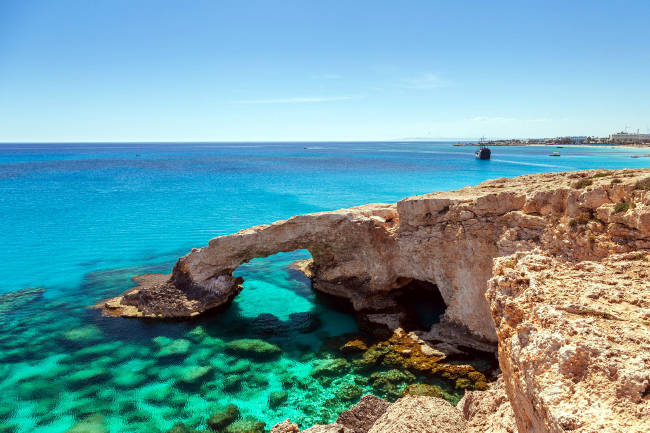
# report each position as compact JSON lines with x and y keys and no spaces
{"x":348,"y":392}
{"x":174,"y":348}
{"x":420,"y":414}
{"x":277,"y":398}
{"x":330,"y":368}
{"x":92,"y":424}
{"x":253,"y":348}
{"x":285,"y":427}
{"x":223,"y":418}
{"x":359,"y":418}
{"x":246,"y":426}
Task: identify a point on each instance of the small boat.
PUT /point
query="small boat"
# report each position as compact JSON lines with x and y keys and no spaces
{"x":554,"y":154}
{"x":484,"y":152}
{"x":559,"y":147}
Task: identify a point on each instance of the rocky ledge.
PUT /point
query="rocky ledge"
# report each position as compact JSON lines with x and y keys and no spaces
{"x":420,"y":414}
{"x":552,"y":267}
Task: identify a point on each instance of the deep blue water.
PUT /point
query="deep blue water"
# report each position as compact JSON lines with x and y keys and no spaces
{"x":80,"y":219}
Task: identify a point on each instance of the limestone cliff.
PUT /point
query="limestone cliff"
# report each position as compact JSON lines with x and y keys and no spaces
{"x":574,"y":341}
{"x":448,"y":238}
{"x":553,"y":266}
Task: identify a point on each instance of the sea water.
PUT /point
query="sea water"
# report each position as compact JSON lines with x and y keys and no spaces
{"x":78,"y":221}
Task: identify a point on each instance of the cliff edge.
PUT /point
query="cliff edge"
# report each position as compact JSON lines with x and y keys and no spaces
{"x":554,"y":268}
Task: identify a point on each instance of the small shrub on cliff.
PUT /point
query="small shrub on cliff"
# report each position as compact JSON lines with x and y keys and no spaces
{"x":641,"y":256}
{"x":615,"y":181}
{"x":584,"y":218}
{"x":510,"y":263}
{"x":643,"y":184}
{"x":583,"y":183}
{"x":597,"y":175}
{"x":622,"y":207}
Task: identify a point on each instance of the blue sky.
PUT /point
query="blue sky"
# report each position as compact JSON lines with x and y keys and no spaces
{"x":142,"y":70}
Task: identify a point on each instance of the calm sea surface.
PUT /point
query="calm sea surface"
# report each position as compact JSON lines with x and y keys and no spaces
{"x":78,"y":220}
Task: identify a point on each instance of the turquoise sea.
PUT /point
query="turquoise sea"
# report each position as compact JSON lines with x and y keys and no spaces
{"x":77,"y":221}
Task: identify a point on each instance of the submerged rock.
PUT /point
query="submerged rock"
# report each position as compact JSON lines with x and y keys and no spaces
{"x":232,"y":382}
{"x":174,"y":348}
{"x":220,"y":420}
{"x":246,"y":426}
{"x":197,"y":334}
{"x":83,"y":378}
{"x":15,"y":300}
{"x":195,"y":375}
{"x":253,"y":348}
{"x":304,"y":322}
{"x":277,"y":398}
{"x":425,"y":390}
{"x":239,"y":367}
{"x":349,"y":392}
{"x":330,"y":368}
{"x":182,"y":428}
{"x":129,"y":379}
{"x":356,"y":345}
{"x":391,"y":383}
{"x":92,"y":424}
{"x":83,"y":334}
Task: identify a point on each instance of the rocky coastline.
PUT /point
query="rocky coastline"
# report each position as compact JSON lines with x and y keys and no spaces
{"x":551,"y":269}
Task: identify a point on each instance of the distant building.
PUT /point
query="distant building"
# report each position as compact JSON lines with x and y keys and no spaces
{"x":624,"y":137}
{"x":579,"y":140}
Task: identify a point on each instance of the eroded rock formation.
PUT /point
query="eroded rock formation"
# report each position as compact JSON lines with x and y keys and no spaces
{"x":448,"y":238}
{"x":574,"y":341}
{"x":555,"y":267}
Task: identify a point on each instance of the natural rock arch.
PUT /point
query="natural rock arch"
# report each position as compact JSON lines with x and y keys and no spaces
{"x":448,"y":239}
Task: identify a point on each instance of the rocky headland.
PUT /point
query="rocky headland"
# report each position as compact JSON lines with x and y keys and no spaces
{"x":553,"y":269}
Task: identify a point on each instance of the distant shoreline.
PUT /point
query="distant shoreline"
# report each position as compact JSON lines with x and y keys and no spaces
{"x":626,"y":146}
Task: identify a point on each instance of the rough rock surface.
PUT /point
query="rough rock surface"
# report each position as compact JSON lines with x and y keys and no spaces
{"x":574,"y":341}
{"x":418,"y":414}
{"x":565,"y":257}
{"x":488,"y":411}
{"x":410,"y":414}
{"x":327,"y":428}
{"x":361,"y":417}
{"x":285,"y":426}
{"x":445,"y":238}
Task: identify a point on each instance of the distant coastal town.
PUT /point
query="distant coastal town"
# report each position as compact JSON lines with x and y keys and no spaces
{"x":620,"y":139}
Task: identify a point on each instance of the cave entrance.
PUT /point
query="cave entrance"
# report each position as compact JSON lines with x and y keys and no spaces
{"x":423,"y":303}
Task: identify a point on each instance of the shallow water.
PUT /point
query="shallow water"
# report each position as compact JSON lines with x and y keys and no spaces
{"x":80,"y":220}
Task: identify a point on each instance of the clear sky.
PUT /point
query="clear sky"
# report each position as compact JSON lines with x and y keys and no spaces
{"x":140,"y":70}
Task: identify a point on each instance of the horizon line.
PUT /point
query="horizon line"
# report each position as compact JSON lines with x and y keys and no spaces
{"x":411,"y":139}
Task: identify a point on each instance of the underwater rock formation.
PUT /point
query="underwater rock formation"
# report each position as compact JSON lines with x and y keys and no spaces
{"x":13,"y":301}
